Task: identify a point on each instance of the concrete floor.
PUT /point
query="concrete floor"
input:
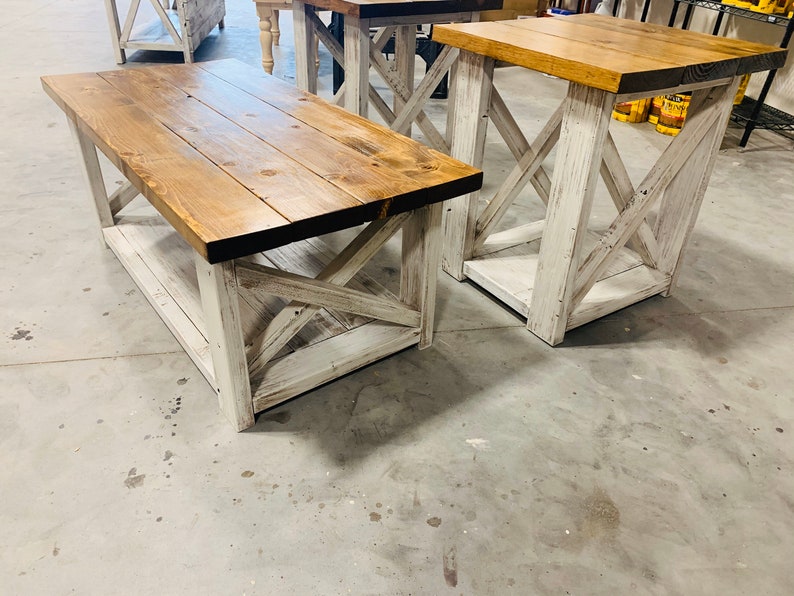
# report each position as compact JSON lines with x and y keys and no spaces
{"x":650,"y":453}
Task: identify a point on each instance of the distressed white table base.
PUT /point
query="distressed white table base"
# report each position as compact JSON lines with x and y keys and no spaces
{"x":274,"y":325}
{"x":195,"y":19}
{"x":556,"y":272}
{"x":361,"y":52}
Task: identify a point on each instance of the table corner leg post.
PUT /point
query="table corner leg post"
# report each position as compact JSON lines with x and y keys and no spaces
{"x":404,"y":60}
{"x":680,"y":204}
{"x":584,"y":129}
{"x":421,"y":250}
{"x":356,"y":65}
{"x":218,"y":288}
{"x":472,"y":97}
{"x":92,"y":174}
{"x":115,"y":31}
{"x":305,"y":72}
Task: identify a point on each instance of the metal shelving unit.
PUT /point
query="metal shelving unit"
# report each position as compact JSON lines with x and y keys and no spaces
{"x":752,"y":113}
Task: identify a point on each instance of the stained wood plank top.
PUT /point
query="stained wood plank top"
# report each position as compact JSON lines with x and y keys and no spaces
{"x":612,"y":54}
{"x":369,"y":9}
{"x":240,"y":162}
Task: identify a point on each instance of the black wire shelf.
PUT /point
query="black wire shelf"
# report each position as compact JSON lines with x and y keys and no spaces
{"x":769,"y":118}
{"x":774,"y":19}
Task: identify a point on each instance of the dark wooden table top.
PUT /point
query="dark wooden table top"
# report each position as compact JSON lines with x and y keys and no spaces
{"x":617,"y":55}
{"x":238,"y":161}
{"x":369,"y":9}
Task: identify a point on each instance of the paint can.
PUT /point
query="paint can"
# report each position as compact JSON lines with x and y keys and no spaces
{"x":655,"y":109}
{"x":673,"y":113}
{"x":632,"y":111}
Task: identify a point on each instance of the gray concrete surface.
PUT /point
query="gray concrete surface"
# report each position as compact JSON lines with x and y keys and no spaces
{"x":650,"y":453}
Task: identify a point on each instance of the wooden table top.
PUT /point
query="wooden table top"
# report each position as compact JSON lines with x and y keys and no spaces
{"x":369,"y":9}
{"x":617,"y":55}
{"x":239,"y":161}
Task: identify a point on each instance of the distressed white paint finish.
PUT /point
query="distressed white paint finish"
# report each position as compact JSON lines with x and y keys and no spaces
{"x":472,"y":98}
{"x":319,"y":293}
{"x":356,"y":65}
{"x":617,"y":181}
{"x":329,"y":360}
{"x":305,"y":73}
{"x":584,"y":129}
{"x":145,"y":270}
{"x":421,"y":252}
{"x":681,"y":151}
{"x":516,"y":141}
{"x":218,"y":288}
{"x":339,"y":271}
{"x":514,"y":236}
{"x":404,"y":67}
{"x":122,"y":197}
{"x":517,"y":179}
{"x":682,"y":199}
{"x":92,"y":174}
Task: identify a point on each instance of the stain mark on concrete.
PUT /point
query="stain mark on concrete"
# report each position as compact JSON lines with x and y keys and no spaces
{"x":182,"y":381}
{"x":106,"y":313}
{"x":86,"y":289}
{"x":374,"y":517}
{"x":22,"y":334}
{"x":247,"y":474}
{"x":278,"y":417}
{"x":778,"y":429}
{"x":450,"y":560}
{"x":55,"y":550}
{"x":434,"y":521}
{"x":601,"y":514}
{"x":99,"y":421}
{"x":168,"y":455}
{"x":134,"y":480}
{"x":727,"y":407}
{"x":159,"y":519}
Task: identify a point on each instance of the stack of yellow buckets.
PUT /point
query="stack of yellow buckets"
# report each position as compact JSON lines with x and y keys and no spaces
{"x":781,"y":7}
{"x":667,"y":112}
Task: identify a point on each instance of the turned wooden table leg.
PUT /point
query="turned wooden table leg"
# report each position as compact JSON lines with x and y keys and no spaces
{"x":265,"y":14}
{"x":472,"y":96}
{"x":585,"y":123}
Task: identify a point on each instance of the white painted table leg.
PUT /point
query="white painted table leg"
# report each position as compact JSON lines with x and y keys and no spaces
{"x":404,"y":61}
{"x":585,"y":124}
{"x":115,"y":30}
{"x":92,"y":173}
{"x":356,"y":65}
{"x":471,"y":101}
{"x":218,"y":287}
{"x":681,"y":202}
{"x":421,"y":249}
{"x":305,"y":72}
{"x":266,"y":36}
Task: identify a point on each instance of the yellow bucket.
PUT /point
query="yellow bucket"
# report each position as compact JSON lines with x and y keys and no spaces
{"x":673,"y":114}
{"x":632,"y":111}
{"x":742,"y":88}
{"x":655,"y":109}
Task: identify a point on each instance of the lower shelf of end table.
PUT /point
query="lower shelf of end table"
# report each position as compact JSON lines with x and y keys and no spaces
{"x":509,"y":275}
